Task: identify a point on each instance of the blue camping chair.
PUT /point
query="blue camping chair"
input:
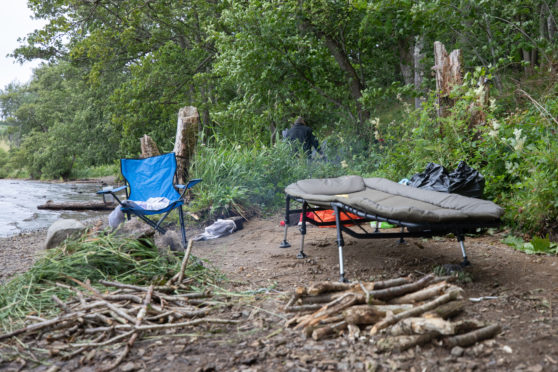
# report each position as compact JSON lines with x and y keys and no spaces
{"x":148,"y":178}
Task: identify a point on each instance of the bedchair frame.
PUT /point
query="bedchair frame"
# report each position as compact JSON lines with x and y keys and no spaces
{"x":344,"y":223}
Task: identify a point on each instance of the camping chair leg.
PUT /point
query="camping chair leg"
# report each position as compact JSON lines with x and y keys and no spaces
{"x":285,"y":243}
{"x":152,"y":224}
{"x":340,"y":244}
{"x":461,"y":239}
{"x":301,"y":253}
{"x":181,"y":217}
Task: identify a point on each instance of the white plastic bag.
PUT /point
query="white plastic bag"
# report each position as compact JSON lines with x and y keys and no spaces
{"x":218,"y":229}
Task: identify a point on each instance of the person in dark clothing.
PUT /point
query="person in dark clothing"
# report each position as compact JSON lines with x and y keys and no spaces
{"x":302,"y":133}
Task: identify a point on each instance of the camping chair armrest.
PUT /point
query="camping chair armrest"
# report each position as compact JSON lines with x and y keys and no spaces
{"x":112,"y":191}
{"x":191,"y":183}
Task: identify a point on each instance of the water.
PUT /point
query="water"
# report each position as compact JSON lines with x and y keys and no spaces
{"x":19,"y":200}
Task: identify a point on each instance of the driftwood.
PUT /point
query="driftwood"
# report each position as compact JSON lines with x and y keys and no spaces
{"x":370,"y":314}
{"x":451,"y":295}
{"x":78,"y":206}
{"x":448,"y":310}
{"x":424,"y":294}
{"x":470,"y":338}
{"x":328,"y":330}
{"x":420,"y":326}
{"x":417,"y":312}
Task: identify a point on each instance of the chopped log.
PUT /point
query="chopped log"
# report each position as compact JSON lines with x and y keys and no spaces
{"x":186,"y":138}
{"x":328,"y":297}
{"x":370,"y":314}
{"x":391,"y":292}
{"x":331,"y":308}
{"x":148,"y":147}
{"x":446,"y":311}
{"x":470,"y":338}
{"x":467,"y":325}
{"x":389,"y":283}
{"x":451,"y":295}
{"x":309,"y":307}
{"x":402,"y":343}
{"x":354,"y":331}
{"x":323,"y":332}
{"x":424,"y":294}
{"x":362,"y":314}
{"x":324,"y":287}
{"x":421,"y":326}
{"x":78,"y":206}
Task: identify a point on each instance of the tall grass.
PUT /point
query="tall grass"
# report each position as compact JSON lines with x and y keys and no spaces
{"x":243,"y":179}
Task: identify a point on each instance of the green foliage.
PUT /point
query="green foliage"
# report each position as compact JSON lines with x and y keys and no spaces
{"x":105,"y":257}
{"x":515,"y":152}
{"x":537,"y":245}
{"x":119,"y":70}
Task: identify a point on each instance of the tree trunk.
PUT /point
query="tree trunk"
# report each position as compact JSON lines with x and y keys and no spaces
{"x":405,"y":61}
{"x":448,"y":74}
{"x":418,"y":55}
{"x":148,"y":147}
{"x":186,"y":139}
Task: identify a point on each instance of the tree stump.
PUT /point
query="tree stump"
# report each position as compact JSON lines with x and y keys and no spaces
{"x":448,"y":74}
{"x":186,"y":139}
{"x":148,"y":147}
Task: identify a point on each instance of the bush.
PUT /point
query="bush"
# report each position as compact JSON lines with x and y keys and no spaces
{"x":515,"y":152}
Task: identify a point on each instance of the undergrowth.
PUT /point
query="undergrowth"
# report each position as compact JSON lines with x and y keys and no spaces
{"x":90,"y":259}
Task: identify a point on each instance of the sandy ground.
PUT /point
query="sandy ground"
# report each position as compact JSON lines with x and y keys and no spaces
{"x":525,"y":288}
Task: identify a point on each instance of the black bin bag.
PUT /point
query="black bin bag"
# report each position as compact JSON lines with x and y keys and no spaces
{"x":464,"y":180}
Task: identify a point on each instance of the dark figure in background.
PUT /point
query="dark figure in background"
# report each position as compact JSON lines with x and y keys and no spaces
{"x":302,"y":133}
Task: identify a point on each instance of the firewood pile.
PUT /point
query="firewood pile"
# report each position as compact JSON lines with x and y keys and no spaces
{"x":398,"y":313}
{"x":94,"y":318}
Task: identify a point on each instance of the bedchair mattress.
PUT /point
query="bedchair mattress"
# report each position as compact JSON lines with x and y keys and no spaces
{"x":388,"y":199}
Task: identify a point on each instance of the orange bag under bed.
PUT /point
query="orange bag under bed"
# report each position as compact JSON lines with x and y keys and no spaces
{"x":329,"y":216}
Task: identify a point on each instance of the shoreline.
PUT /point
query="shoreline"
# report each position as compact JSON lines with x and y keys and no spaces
{"x":19,"y":252}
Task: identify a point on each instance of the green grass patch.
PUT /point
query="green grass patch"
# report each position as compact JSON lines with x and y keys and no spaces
{"x":96,"y":171}
{"x":104,"y":257}
{"x":537,"y":245}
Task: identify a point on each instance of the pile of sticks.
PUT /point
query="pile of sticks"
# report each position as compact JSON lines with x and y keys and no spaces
{"x":93,"y":319}
{"x":398,"y":313}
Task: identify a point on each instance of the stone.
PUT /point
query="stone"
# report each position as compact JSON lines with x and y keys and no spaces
{"x":457,"y":351}
{"x":170,"y":240}
{"x":134,"y":229}
{"x":61,"y":230}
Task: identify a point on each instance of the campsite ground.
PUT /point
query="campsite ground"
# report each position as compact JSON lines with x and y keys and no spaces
{"x":525,"y":288}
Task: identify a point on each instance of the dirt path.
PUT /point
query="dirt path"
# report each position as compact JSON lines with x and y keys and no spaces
{"x":525,"y":287}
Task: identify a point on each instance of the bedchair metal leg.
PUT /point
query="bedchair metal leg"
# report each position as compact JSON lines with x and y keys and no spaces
{"x":377,"y":229}
{"x":401,"y":240}
{"x":301,"y":253}
{"x":285,"y":243}
{"x":340,"y":244}
{"x":461,"y":239}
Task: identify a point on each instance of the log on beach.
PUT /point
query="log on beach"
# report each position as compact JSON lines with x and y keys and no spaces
{"x":78,"y":206}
